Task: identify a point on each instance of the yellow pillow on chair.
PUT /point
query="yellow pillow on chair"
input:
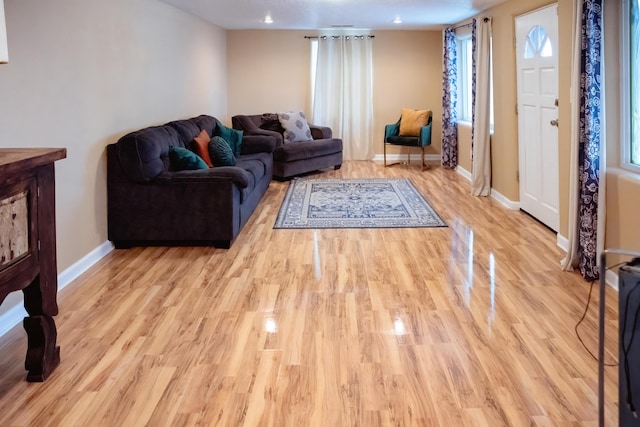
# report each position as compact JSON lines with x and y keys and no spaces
{"x":412,"y":120}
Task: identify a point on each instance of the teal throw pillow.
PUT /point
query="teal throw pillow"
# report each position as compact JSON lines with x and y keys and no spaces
{"x":232,"y":136}
{"x":184,"y":159}
{"x":221,"y":153}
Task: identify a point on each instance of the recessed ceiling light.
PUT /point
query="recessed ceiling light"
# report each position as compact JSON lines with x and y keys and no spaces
{"x":397,"y":21}
{"x":268,"y":20}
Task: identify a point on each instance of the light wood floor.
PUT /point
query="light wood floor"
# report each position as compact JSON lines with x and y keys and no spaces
{"x":470,"y":325}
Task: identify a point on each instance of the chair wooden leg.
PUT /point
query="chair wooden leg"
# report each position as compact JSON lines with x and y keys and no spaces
{"x":386,"y":164}
{"x":384,"y":146}
{"x":424,"y":165}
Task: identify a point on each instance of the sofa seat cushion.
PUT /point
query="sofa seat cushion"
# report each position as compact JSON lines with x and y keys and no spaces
{"x":307,"y":149}
{"x":256,"y":163}
{"x":257,"y":167}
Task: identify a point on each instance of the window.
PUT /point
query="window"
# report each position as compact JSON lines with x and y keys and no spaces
{"x":465,"y":64}
{"x":465,"y":83}
{"x":634,"y":61}
{"x":538,"y":44}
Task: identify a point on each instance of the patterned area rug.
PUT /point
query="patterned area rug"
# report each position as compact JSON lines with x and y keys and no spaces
{"x":355,"y":203}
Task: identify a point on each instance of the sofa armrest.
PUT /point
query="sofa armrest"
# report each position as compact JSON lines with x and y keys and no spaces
{"x":245,"y":124}
{"x":257,"y":144}
{"x":237,"y":175}
{"x":320,"y":132}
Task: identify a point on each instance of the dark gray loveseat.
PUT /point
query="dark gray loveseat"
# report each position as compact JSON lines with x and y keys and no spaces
{"x":294,"y":158}
{"x":149,"y":203}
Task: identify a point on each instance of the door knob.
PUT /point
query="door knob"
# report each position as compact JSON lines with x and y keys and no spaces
{"x":554,"y":122}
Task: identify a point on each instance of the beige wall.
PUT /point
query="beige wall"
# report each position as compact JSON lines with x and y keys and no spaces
{"x":83,"y":73}
{"x":270,"y":71}
{"x":464,"y":146}
{"x":407,"y":68}
{"x":623,"y":205}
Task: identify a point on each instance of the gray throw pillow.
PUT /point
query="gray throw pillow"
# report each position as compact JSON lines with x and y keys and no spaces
{"x":295,"y":126}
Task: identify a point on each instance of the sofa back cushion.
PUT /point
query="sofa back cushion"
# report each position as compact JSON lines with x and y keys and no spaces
{"x":207,"y":123}
{"x":270,"y":121}
{"x":187,"y":129}
{"x":144,"y":154}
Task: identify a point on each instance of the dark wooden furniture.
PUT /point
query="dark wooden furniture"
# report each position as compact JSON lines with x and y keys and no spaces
{"x":28,"y":248}
{"x":629,"y":343}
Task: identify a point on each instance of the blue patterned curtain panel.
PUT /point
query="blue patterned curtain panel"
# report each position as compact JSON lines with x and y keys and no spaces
{"x":449,"y":100}
{"x":589,"y":137}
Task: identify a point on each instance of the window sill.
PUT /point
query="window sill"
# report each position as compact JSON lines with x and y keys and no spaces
{"x":623,"y":172}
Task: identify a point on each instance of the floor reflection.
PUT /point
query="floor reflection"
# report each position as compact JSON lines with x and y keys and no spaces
{"x":398,"y":327}
{"x":461,"y":266}
{"x":492,"y":289}
{"x":270,"y":325}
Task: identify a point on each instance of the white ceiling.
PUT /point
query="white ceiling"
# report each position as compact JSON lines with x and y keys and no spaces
{"x":324,"y":14}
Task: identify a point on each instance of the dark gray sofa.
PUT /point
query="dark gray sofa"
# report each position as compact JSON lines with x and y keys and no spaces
{"x":151,"y":204}
{"x":294,"y":158}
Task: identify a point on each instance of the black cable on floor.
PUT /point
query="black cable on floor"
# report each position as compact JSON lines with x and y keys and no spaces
{"x":586,"y":309}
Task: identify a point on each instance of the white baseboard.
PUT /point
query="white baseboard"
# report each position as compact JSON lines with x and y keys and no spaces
{"x":562,"y":242}
{"x":86,"y":262}
{"x":507,"y":203}
{"x":496,"y":195}
{"x":465,"y":173}
{"x":16,"y":313}
{"x":611,"y":279}
{"x":12,"y":317}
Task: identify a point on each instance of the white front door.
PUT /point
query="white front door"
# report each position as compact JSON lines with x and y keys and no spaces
{"x":537,"y":69}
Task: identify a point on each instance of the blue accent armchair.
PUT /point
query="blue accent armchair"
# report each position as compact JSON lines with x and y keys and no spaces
{"x":392,"y":137}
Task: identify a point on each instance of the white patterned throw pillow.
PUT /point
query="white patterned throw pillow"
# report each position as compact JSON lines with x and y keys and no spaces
{"x":295,"y":126}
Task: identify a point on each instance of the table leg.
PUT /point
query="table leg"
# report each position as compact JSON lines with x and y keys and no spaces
{"x":43,"y":355}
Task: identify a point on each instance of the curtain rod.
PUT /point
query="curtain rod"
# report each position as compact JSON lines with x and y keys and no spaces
{"x":462,"y":26}
{"x":485,"y":19}
{"x":324,"y":37}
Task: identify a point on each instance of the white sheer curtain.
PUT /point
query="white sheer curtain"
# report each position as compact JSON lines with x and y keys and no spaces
{"x":343,"y":93}
{"x":481,"y":167}
{"x":571,"y":260}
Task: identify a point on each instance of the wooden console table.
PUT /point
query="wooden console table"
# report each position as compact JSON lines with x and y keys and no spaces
{"x":28,"y":248}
